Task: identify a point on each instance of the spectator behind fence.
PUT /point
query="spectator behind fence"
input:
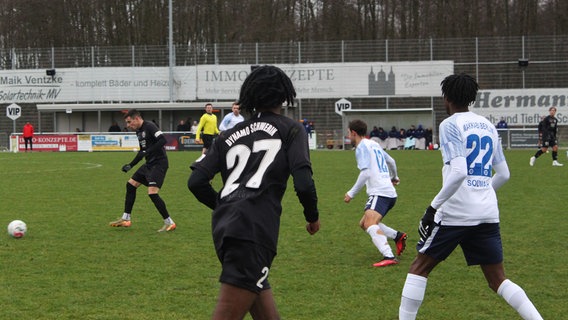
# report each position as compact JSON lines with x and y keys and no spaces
{"x":419,"y":138}
{"x":383,"y":136}
{"x":114,"y":127}
{"x":28,"y":134}
{"x":374,"y":134}
{"x":428,"y":136}
{"x":392,"y":140}
{"x":502,"y":124}
{"x":401,"y":138}
{"x":194,"y":127}
{"x":182,"y":126}
{"x":410,"y":131}
{"x":308,"y":126}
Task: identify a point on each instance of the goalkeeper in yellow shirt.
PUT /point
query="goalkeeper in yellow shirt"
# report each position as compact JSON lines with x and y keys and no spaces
{"x":206,"y":129}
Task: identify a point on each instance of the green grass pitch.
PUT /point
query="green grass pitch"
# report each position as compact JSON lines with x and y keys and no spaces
{"x":72,"y":265}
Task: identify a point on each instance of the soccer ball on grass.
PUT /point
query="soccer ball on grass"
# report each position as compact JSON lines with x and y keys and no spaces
{"x":17,"y":229}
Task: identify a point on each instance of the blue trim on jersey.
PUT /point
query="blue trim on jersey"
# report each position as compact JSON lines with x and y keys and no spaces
{"x":451,"y":142}
{"x":363,"y":158}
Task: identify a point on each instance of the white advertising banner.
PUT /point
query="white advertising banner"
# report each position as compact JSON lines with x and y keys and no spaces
{"x":220,"y":82}
{"x":521,"y":107}
{"x":332,"y":80}
{"x":85,"y":85}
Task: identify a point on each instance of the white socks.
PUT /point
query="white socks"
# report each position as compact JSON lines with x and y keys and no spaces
{"x":169,"y":221}
{"x":126,"y":216}
{"x":412,"y":296}
{"x":388,"y":231}
{"x":380,"y":241}
{"x":415,"y":287}
{"x":517,"y":298}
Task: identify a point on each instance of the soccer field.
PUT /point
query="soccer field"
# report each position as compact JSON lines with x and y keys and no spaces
{"x":72,"y":265}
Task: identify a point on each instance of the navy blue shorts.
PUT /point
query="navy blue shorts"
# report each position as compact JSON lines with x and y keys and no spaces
{"x":481,"y":244}
{"x":380,"y":204}
{"x":150,"y":176}
{"x":245,"y":264}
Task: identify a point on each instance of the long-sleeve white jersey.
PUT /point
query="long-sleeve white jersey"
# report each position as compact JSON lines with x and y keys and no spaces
{"x":471,"y":150}
{"x":377,"y":168}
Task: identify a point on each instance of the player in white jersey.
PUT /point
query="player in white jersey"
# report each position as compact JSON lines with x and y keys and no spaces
{"x":231,"y":119}
{"x":465,"y":212}
{"x":378,"y":174}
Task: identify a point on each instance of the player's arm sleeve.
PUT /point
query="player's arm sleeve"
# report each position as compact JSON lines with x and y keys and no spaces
{"x":306,"y":192}
{"x":198,"y":184}
{"x":223,"y":125}
{"x":139,"y":156}
{"x":392,"y":166}
{"x":502,"y":175}
{"x":452,"y":182}
{"x":160,"y":143}
{"x":361,"y":180}
{"x":215,"y":126}
{"x":199,"y":128}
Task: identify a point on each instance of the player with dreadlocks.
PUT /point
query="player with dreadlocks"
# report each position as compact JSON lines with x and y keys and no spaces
{"x":255,"y":159}
{"x":465,"y":211}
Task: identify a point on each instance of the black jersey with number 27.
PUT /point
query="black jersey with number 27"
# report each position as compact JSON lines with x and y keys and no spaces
{"x":255,"y":159}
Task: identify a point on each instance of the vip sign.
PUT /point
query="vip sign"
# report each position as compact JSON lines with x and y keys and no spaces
{"x":342,"y":105}
{"x":13,"y":111}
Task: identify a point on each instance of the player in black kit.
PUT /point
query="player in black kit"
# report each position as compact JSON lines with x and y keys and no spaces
{"x":255,"y":159}
{"x":547,"y":135}
{"x":150,"y":174}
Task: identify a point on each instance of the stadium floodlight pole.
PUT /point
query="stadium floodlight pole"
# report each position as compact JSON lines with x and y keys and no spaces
{"x":171,"y":50}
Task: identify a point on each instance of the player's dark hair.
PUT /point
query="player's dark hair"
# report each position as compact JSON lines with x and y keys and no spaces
{"x":460,"y":89}
{"x":359,"y":126}
{"x":132,"y":113}
{"x":266,"y":87}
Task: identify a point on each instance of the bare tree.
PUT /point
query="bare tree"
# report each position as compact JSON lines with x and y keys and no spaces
{"x":71,"y":23}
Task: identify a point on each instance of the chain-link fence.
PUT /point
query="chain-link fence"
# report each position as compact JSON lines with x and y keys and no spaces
{"x":497,"y":63}
{"x":494,"y":61}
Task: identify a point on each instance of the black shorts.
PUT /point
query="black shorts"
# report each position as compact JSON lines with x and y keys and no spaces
{"x":245,"y":264}
{"x":207,"y":140}
{"x":151,"y":175}
{"x":549,"y":143}
{"x":481,"y":244}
